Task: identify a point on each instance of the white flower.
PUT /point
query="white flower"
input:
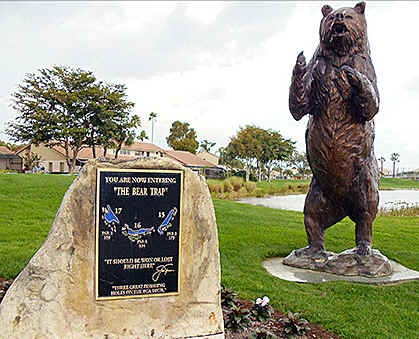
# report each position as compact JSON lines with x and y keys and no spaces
{"x":265,"y":301}
{"x":262,"y":302}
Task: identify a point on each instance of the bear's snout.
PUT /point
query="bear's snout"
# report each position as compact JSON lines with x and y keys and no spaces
{"x":339,"y":28}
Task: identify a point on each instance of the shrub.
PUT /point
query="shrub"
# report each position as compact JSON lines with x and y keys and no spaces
{"x":219,"y":188}
{"x":250,"y":186}
{"x":259,"y":193}
{"x":212,"y":187}
{"x":237,"y":183}
{"x":283,"y":190}
{"x":272,"y":189}
{"x":228,"y":187}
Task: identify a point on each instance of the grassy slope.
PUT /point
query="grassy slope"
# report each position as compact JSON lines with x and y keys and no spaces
{"x":248,"y":234}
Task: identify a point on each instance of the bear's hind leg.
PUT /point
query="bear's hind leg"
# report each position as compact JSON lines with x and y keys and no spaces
{"x":365,"y":207}
{"x":320,"y":213}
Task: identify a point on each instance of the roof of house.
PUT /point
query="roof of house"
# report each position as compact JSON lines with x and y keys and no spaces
{"x":5,"y":153}
{"x":87,"y":153}
{"x":143,"y":146}
{"x":188,"y":159}
{"x":206,"y":152}
{"x":5,"y":150}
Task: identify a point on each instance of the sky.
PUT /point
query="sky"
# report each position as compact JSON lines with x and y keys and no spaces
{"x":217,"y":65}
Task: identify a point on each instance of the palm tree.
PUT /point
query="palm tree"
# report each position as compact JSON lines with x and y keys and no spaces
{"x":152,"y":117}
{"x":394,"y":158}
{"x":382,"y":163}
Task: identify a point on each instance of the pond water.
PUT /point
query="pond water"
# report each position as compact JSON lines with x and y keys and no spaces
{"x":388,"y":199}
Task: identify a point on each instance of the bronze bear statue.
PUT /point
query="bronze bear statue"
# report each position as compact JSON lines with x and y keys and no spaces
{"x":338,"y":89}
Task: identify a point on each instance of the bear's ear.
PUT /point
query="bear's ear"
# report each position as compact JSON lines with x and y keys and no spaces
{"x":360,"y":7}
{"x":326,"y":10}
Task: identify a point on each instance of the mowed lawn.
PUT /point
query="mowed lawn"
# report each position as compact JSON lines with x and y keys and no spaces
{"x":28,"y":204}
{"x":394,"y":183}
{"x":247,"y":235}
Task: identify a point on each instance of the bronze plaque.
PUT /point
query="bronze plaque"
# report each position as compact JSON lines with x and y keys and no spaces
{"x":138,"y":229}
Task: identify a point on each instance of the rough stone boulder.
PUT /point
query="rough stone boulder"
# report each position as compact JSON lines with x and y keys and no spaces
{"x":54,"y":296}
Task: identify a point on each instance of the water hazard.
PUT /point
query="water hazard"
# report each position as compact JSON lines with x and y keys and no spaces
{"x":388,"y":200}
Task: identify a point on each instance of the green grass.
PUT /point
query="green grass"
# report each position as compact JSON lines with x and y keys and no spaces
{"x":28,"y":204}
{"x":248,"y":234}
{"x":395,"y":183}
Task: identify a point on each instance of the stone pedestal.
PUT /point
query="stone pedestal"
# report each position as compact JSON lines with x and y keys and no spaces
{"x":55,"y":295}
{"x":347,"y":263}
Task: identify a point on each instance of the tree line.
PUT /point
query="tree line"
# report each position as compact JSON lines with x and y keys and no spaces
{"x":260,"y":151}
{"x":71,"y":108}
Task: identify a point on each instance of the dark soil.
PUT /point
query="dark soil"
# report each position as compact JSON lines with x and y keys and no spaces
{"x":272,"y":326}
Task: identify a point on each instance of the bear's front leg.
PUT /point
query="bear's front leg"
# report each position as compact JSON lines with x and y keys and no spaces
{"x":299,"y":96}
{"x":366,"y":99}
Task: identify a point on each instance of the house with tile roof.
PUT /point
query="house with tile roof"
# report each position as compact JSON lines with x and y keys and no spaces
{"x":53,"y":159}
{"x":212,"y":158}
{"x":195,"y":163}
{"x":9,"y":160}
{"x":139,"y":149}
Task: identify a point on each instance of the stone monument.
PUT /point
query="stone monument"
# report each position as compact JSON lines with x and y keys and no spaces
{"x":338,"y":89}
{"x":133,"y":253}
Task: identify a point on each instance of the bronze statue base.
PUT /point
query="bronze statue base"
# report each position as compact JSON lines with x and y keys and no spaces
{"x":348,"y":262}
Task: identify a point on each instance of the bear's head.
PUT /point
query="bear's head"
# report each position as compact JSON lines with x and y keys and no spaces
{"x":344,"y":31}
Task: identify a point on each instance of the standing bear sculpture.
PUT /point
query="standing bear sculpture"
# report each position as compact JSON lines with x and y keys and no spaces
{"x":338,"y":90}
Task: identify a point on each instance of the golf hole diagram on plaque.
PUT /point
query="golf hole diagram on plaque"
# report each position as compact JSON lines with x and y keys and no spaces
{"x":138,"y":226}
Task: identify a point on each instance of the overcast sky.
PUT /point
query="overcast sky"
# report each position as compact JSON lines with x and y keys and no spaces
{"x":217,"y":65}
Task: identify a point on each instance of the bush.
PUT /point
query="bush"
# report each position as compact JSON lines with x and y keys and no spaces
{"x":219,"y":188}
{"x":283,"y":190}
{"x":212,"y":187}
{"x":272,"y":189}
{"x":237,"y":183}
{"x":259,"y":193}
{"x":228,"y":187}
{"x":250,"y":186}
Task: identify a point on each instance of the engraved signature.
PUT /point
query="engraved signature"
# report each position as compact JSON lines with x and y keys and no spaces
{"x":161,"y":269}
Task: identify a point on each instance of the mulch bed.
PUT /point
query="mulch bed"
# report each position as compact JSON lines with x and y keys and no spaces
{"x":4,"y":285}
{"x":273,"y":325}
